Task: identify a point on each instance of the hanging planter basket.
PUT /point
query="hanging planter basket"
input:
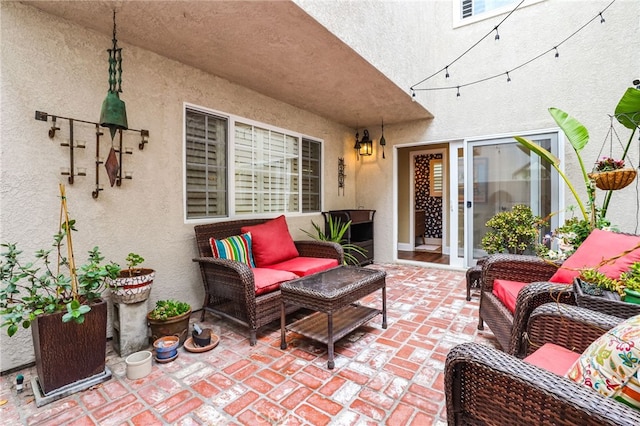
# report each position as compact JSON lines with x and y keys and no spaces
{"x":613,"y":179}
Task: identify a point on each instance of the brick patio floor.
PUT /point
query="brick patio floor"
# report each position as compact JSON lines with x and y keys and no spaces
{"x":392,"y":376}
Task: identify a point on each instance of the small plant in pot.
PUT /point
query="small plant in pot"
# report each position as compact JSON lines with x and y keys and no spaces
{"x":631,"y":281}
{"x":169,"y":318}
{"x":133,"y":284}
{"x":337,"y":229}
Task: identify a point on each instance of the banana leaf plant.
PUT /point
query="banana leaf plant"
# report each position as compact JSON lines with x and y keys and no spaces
{"x":337,"y":229}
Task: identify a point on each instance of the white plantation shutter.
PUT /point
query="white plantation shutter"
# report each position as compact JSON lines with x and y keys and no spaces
{"x":206,"y":165}
{"x":266,"y":171}
{"x":274,"y":171}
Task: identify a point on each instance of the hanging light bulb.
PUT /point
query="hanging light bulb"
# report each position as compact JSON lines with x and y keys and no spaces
{"x":114,"y":113}
{"x":497,"y":33}
{"x":458,"y":95}
{"x":557,"y":55}
{"x":508,"y":78}
{"x":446,"y":70}
{"x":601,"y":18}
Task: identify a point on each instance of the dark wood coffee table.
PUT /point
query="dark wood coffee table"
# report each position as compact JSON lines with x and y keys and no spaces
{"x":332,"y":294}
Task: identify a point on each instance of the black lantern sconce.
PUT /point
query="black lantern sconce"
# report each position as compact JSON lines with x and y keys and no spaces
{"x":366,"y":144}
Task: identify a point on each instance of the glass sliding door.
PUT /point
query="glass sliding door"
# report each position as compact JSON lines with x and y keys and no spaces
{"x":501,"y":173}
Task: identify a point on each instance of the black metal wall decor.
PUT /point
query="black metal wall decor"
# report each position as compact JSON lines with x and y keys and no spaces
{"x":341,"y":175}
{"x":117,"y":175}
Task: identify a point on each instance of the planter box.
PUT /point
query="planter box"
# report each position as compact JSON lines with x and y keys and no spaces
{"x":609,"y":303}
{"x":69,"y":352}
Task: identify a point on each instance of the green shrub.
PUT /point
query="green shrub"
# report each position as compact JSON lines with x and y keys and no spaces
{"x":515,"y":231}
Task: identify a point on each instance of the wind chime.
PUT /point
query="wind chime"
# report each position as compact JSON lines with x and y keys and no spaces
{"x":113,"y":113}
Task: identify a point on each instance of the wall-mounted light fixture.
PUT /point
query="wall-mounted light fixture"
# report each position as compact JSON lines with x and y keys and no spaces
{"x":366,"y":144}
{"x":357,"y":145}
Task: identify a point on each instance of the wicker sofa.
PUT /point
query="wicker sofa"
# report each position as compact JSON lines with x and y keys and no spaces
{"x":229,"y":285}
{"x":486,"y":386}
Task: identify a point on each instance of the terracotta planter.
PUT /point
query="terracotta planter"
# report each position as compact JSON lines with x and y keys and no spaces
{"x":69,"y":352}
{"x":174,"y":326}
{"x":131,"y":287}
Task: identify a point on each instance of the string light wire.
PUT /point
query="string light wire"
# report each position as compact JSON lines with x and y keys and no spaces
{"x":535,"y":58}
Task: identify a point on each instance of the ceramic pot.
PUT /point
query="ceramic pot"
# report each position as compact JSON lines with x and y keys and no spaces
{"x":131,"y":287}
{"x":632,"y":296}
{"x":138,"y":365}
{"x":174,"y":326}
{"x":166,"y":347}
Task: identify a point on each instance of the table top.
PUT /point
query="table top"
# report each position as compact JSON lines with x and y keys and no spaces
{"x":333,"y":283}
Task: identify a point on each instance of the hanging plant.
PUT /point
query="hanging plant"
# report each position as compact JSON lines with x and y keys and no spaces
{"x":611,"y":174}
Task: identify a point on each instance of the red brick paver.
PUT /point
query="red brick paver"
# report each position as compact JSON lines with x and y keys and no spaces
{"x":387,"y":377}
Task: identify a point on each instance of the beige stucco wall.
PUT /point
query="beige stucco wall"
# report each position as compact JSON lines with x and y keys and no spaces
{"x":54,"y":66}
{"x":409,"y":40}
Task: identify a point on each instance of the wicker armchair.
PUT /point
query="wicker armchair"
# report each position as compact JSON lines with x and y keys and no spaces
{"x":508,"y":328}
{"x":229,"y":286}
{"x":486,"y":386}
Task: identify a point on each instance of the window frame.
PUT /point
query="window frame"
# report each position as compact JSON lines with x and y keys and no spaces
{"x":231,"y":178}
{"x":459,"y":21}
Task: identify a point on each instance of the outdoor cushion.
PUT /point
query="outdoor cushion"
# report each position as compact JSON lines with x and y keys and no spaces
{"x":554,"y":358}
{"x":268,"y":280}
{"x":610,"y":364}
{"x":303,"y":266}
{"x":600,"y":245}
{"x":507,"y":292}
{"x":237,"y":247}
{"x":271,"y":242}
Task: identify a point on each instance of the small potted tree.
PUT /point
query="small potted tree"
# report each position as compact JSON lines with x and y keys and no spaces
{"x":169,"y":318}
{"x":514,"y":231}
{"x":61,"y":304}
{"x":132,"y":285}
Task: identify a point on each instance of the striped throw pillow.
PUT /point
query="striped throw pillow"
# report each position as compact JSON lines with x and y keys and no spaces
{"x":236,"y":248}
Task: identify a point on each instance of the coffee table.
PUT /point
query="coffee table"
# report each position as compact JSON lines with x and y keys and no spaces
{"x":332,"y":294}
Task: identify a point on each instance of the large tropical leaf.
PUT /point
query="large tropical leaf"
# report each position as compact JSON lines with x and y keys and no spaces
{"x":537,"y":149}
{"x":577,"y":134}
{"x":628,"y":108}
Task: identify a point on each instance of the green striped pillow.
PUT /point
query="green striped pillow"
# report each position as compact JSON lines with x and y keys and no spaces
{"x":236,"y":248}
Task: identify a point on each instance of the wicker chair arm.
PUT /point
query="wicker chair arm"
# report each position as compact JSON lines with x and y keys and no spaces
{"x":529,"y":298}
{"x":569,"y":326}
{"x":325,"y":249}
{"x":486,"y":386}
{"x":515,"y":267}
{"x":235,"y":276}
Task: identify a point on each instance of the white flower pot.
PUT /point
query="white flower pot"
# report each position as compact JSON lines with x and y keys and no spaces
{"x":138,"y":365}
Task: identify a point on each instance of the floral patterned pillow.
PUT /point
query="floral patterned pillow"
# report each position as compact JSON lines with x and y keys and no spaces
{"x":610,"y":364}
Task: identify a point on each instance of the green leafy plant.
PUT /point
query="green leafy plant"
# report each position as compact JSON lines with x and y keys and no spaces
{"x":337,"y":229}
{"x":601,"y":281}
{"x":169,"y":308}
{"x":134,"y":260}
{"x":32,"y":288}
{"x":631,"y":278}
{"x":515,"y":231}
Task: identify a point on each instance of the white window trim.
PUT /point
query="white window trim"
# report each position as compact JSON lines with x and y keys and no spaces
{"x":231,"y":214}
{"x":459,"y":22}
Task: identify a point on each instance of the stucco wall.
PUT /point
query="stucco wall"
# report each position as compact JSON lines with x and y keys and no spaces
{"x":54,"y":66}
{"x":409,"y":40}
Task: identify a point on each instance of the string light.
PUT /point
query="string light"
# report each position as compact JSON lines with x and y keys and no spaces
{"x":458,"y":95}
{"x":497,"y":33}
{"x":470,"y":48}
{"x":482,"y":80}
{"x":447,"y":72}
{"x":508,"y":78}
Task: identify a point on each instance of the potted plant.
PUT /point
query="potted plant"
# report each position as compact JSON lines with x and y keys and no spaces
{"x":611,"y":174}
{"x":631,"y":281}
{"x":169,"y":318}
{"x":132,"y":285}
{"x":61,"y":304}
{"x":515,"y":231}
{"x":337,"y":229}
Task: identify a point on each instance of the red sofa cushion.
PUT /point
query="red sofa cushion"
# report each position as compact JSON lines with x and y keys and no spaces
{"x":303,"y":266}
{"x":553,"y":358}
{"x":271,"y":242}
{"x":268,"y":280}
{"x":600,"y":245}
{"x":507,"y":291}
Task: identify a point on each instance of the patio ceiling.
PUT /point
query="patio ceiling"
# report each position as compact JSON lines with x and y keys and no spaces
{"x":274,"y":48}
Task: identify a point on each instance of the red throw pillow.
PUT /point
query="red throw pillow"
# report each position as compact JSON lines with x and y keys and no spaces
{"x":600,"y":245}
{"x":271,"y":242}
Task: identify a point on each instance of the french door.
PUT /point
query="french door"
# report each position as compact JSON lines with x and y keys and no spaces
{"x":498,"y":174}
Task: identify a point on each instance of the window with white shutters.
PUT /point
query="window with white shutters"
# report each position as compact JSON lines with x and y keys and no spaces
{"x":469,"y":8}
{"x":272,"y":170}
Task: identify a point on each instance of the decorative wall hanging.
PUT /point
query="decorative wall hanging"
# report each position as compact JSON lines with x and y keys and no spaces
{"x":341,"y":175}
{"x":116,"y":174}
